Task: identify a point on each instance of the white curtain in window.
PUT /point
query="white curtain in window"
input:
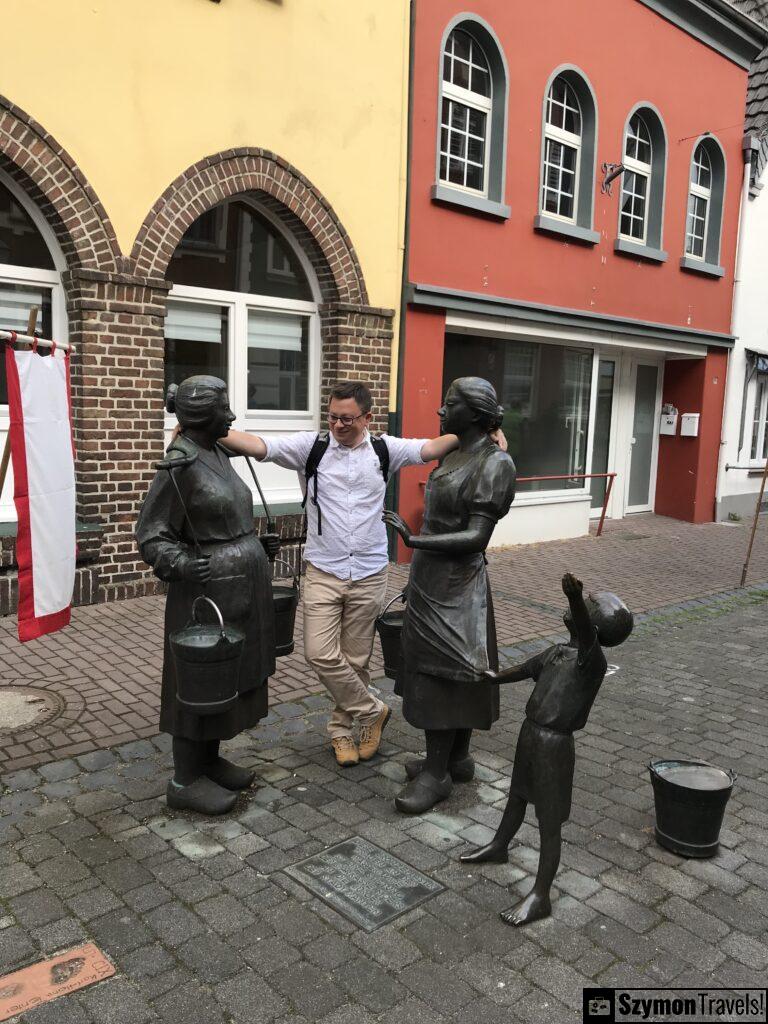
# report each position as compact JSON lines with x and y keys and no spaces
{"x":192,"y":321}
{"x":267,"y":330}
{"x":15,"y":304}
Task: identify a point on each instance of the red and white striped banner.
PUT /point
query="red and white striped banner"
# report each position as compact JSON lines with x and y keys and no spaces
{"x":43,"y":454}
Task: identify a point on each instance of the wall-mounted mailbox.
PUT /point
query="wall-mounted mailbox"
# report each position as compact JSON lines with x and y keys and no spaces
{"x":689,"y":426}
{"x":668,"y":422}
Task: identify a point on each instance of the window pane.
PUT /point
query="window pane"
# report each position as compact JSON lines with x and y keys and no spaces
{"x":461,"y":74}
{"x":559,"y":190}
{"x":461,"y":45}
{"x":462,"y":138}
{"x":195,"y":340}
{"x":701,"y":170}
{"x":16,"y":300}
{"x":633,"y":194}
{"x":563,"y":110}
{"x":696,"y":226}
{"x":278,"y":361}
{"x":233,"y":248}
{"x":545,"y":391}
{"x":638,"y":143}
{"x":474,"y":177}
{"x":602,"y":436}
{"x":760,"y":392}
{"x":21,"y":244}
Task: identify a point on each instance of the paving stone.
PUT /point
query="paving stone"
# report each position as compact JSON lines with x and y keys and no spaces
{"x":18,"y":879}
{"x":295,"y":923}
{"x":146,"y":961}
{"x":250,"y":1000}
{"x":118,"y":1002}
{"x":269,"y":954}
{"x":746,"y":949}
{"x":56,"y":771}
{"x":439,"y":988}
{"x":60,"y":1011}
{"x":309,"y":990}
{"x":174,"y":924}
{"x":15,"y":948}
{"x":186,"y":1004}
{"x":330,"y":951}
{"x":123,"y":875}
{"x":34,"y":909}
{"x":370,"y":985}
{"x":694,"y":949}
{"x":622,"y":909}
{"x":119,"y":932}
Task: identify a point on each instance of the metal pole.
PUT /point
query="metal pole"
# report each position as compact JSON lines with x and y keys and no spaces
{"x":605,"y":503}
{"x":270,"y":520}
{"x":28,"y":339}
{"x":754,"y":525}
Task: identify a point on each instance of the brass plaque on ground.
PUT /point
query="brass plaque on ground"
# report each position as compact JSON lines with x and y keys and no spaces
{"x":366,"y":884}
{"x":49,"y":979}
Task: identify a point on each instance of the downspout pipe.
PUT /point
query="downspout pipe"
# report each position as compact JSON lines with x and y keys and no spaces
{"x":750,"y":148}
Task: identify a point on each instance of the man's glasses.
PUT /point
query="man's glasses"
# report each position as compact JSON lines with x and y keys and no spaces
{"x":345,"y":421}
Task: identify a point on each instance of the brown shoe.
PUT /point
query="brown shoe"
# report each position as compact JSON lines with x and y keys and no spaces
{"x":345,"y":749}
{"x":370,"y":735}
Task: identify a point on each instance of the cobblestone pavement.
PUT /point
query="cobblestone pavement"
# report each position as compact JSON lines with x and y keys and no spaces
{"x":204,"y":925}
{"x":105,"y":668}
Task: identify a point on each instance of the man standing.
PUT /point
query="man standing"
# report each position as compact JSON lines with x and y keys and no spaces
{"x":346,"y":551}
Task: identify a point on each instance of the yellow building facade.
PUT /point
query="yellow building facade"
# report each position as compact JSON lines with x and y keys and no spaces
{"x":199,"y":186}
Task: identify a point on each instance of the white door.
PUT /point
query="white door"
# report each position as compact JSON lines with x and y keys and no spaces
{"x":627,"y":401}
{"x":643,"y":408}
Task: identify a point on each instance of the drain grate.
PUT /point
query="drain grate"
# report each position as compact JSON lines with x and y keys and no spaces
{"x":23,"y":707}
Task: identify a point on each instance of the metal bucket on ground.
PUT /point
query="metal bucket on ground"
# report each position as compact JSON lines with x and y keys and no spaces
{"x":285,"y":598}
{"x":389,"y":626}
{"x":206,"y":661}
{"x":690,"y":799}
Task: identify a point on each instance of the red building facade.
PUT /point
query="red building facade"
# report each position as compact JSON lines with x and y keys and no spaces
{"x":591,"y":305}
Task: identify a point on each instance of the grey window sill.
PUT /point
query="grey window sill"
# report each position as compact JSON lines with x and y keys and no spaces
{"x":575,"y":232}
{"x":454,"y":197}
{"x":701,"y":267}
{"x":643,"y":252}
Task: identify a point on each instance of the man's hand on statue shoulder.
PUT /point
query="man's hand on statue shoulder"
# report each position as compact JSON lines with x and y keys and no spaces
{"x":497,"y":436}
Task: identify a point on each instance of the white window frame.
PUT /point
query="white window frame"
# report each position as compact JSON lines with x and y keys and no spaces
{"x":699,"y":192}
{"x":759,"y":421}
{"x":640,"y":169}
{"x":572,"y":141}
{"x":472,"y":100}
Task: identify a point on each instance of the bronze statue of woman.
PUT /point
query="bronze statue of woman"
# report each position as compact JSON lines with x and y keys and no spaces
{"x":449,"y":636}
{"x":230,"y":567}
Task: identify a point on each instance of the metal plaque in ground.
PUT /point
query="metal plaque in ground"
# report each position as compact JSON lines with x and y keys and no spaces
{"x":366,"y":884}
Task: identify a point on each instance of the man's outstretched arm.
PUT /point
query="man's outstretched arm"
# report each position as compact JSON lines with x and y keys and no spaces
{"x":439,"y":447}
{"x":244,"y":444}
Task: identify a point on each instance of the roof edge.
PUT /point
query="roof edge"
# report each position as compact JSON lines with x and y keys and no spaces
{"x":716,"y":24}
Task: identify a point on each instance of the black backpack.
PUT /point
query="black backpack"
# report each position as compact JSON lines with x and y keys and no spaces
{"x":318,"y":450}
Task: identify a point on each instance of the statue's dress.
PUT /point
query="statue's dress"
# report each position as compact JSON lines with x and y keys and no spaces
{"x":449,"y":635}
{"x":221,"y":509}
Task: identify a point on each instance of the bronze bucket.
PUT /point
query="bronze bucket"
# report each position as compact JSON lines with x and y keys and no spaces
{"x":389,"y":626}
{"x":285,"y":599}
{"x":206,"y":662}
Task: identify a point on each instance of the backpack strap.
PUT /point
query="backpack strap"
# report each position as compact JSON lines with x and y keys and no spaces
{"x":316,"y":452}
{"x":380,"y":447}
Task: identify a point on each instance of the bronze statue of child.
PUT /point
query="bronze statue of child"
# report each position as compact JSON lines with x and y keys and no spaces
{"x":567,"y":680}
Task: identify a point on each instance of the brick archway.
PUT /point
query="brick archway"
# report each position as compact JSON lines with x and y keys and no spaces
{"x":276,"y":184}
{"x":54,"y":182}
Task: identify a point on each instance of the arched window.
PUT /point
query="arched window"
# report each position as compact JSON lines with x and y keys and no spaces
{"x":705,"y":209}
{"x":562,"y":151}
{"x":30,"y":265}
{"x":635,"y":184}
{"x":472,"y":119}
{"x":243,"y":308}
{"x":465,"y":123}
{"x":568,"y":158}
{"x":641,"y":207}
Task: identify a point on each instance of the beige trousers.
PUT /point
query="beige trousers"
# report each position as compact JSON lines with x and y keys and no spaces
{"x":338,"y":640}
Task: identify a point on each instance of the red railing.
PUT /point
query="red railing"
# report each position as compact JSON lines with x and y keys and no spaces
{"x":579,"y":476}
{"x":571,"y":476}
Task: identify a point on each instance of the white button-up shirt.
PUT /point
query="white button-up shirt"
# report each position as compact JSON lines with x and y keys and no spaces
{"x":350,"y":493}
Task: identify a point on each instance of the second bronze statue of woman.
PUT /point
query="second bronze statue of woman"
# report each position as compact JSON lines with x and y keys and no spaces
{"x":201,"y":540}
{"x":449,"y":636}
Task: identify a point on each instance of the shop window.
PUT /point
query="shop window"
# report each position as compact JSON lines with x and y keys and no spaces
{"x":641,"y":207}
{"x":568,"y":158}
{"x":472,"y":121}
{"x":28,"y":277}
{"x":242,"y":308}
{"x":705,"y":209}
{"x":545,"y":391}
{"x":758,"y":451}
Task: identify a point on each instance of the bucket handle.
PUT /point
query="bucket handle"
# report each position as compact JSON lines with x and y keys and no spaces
{"x":213,"y":605}
{"x":398,"y":597}
{"x":293,"y":573}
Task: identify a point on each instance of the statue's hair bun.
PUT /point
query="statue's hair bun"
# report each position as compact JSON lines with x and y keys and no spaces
{"x":170,"y":398}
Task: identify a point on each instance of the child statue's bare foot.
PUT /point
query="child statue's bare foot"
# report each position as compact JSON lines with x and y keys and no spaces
{"x":530,"y":909}
{"x":493,"y":853}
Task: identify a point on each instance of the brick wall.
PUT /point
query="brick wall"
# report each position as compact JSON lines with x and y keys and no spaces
{"x":116,"y":307}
